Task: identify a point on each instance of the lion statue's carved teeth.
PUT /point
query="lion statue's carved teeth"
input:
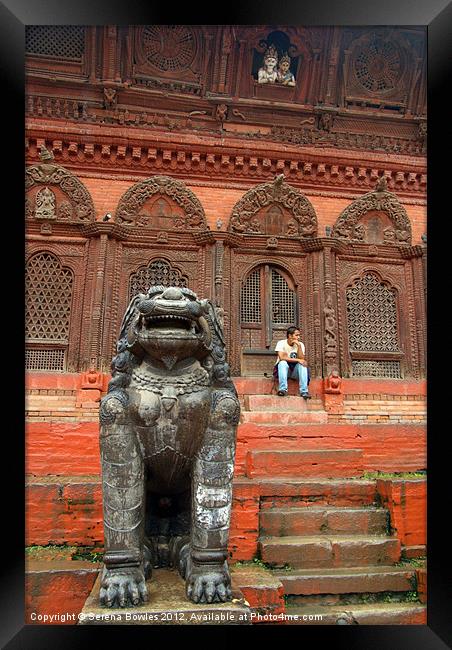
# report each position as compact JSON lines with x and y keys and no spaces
{"x":167,"y":437}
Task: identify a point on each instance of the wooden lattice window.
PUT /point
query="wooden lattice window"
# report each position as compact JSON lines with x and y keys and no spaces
{"x":169,"y":48}
{"x":48,"y":296}
{"x":250,"y":298}
{"x":378,"y":66}
{"x":159,"y":272}
{"x":61,"y":41}
{"x":373,"y":327}
{"x":388,"y":369}
{"x":283,"y":303}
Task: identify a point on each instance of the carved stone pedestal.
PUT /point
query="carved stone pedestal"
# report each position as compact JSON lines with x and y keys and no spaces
{"x":168,"y":605}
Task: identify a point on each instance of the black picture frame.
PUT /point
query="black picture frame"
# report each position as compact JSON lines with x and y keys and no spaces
{"x":437,"y":16}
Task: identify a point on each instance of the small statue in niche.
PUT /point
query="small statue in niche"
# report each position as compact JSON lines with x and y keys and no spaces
{"x":284,"y":75}
{"x":268,"y":73}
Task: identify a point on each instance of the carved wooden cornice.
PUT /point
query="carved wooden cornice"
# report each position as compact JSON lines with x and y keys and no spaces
{"x":190,"y":160}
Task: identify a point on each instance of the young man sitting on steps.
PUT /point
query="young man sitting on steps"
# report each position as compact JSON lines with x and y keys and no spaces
{"x":291,"y":362}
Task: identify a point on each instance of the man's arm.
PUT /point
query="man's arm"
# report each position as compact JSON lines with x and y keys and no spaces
{"x":300,"y":354}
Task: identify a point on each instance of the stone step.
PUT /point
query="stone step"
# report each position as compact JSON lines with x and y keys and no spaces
{"x":261,"y":588}
{"x":368,"y":614}
{"x":285,"y":417}
{"x":323,"y":520}
{"x":332,"y":551}
{"x":307,"y":582}
{"x":276,"y":403}
{"x":325,"y":463}
{"x":300,"y":492}
{"x":57,"y":587}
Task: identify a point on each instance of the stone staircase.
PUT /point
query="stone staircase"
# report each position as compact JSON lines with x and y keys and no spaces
{"x":322,"y":530}
{"x":300,"y":499}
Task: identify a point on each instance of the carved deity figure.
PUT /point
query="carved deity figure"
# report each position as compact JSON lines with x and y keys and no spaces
{"x":45,"y":204}
{"x":167,"y":438}
{"x":284,"y":75}
{"x":268,"y":73}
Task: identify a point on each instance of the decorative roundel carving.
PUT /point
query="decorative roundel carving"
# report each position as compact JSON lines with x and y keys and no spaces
{"x":169,"y":48}
{"x":378,"y":66}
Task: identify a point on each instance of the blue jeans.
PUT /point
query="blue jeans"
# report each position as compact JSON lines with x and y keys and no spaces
{"x":296,"y":371}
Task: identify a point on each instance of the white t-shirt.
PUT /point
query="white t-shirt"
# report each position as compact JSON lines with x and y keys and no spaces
{"x":283,"y":346}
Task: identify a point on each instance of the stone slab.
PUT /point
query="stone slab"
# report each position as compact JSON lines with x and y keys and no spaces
{"x":168,"y":605}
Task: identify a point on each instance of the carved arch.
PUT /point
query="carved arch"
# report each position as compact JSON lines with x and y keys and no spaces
{"x":248,"y":215}
{"x":190,"y":215}
{"x":349,"y":225}
{"x":78,"y":208}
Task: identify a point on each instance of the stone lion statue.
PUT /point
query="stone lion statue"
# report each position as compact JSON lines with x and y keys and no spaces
{"x":167,"y":439}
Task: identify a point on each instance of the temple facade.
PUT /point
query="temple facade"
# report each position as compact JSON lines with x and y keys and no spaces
{"x":168,"y":155}
{"x":279,"y":171}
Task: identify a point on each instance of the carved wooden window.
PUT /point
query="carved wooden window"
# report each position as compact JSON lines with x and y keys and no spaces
{"x":373,"y":328}
{"x":283,"y":304}
{"x":169,"y":48}
{"x":159,"y":272}
{"x":250,"y":299}
{"x":61,"y":41}
{"x":378,"y":66}
{"x":48,"y":295}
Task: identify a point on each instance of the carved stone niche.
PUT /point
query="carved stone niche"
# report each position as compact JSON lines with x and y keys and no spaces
{"x":55,"y":194}
{"x":274,"y":209}
{"x":375,"y":218}
{"x":161,"y":203}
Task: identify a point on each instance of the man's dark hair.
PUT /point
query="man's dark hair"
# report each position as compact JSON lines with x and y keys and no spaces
{"x":292,"y":329}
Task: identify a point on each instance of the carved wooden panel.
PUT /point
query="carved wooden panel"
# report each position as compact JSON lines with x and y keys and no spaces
{"x":378,"y":70}
{"x":167,"y":52}
{"x":55,"y":194}
{"x":55,"y":295}
{"x":61,"y":41}
{"x":161,"y":203}
{"x":134,"y":268}
{"x":375,"y":218}
{"x":374,"y":320}
{"x":284,"y":298}
{"x":48,"y":296}
{"x":274,"y":209}
{"x":159,"y":272}
{"x":62,"y":48}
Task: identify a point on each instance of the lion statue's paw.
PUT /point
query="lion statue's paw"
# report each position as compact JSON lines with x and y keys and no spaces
{"x":123,"y":586}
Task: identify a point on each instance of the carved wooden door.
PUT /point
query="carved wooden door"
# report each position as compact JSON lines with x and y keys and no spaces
{"x":268,"y":306}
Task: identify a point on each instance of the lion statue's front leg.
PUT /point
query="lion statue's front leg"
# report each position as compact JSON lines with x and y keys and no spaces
{"x":207,"y":573}
{"x":125,"y":561}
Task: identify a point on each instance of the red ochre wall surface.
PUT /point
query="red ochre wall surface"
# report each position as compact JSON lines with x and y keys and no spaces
{"x":63,"y":488}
